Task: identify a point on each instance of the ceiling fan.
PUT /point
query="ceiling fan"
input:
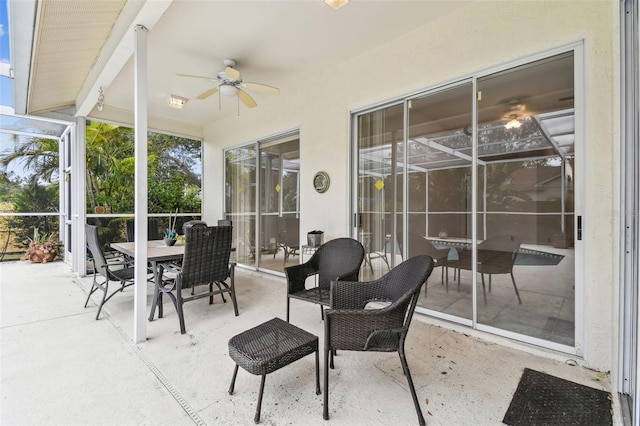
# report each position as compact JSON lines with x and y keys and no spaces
{"x":230,"y":84}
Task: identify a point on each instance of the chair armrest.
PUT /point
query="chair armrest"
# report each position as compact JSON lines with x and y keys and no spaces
{"x":297,"y":275}
{"x":364,"y":329}
{"x":354,"y":294}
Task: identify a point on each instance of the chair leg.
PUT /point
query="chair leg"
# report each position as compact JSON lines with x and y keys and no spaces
{"x":154,"y":304}
{"x":513,"y":280}
{"x":256,"y":419}
{"x":104,"y":297}
{"x":232,"y":292}
{"x":232,"y":276}
{"x":233,"y":380}
{"x":94,"y":287}
{"x":221,"y":294}
{"x":405,"y":367}
{"x":179,"y":305}
{"x":484,"y":292}
{"x":318,"y":392}
{"x":325,"y":405}
{"x":288,"y":304}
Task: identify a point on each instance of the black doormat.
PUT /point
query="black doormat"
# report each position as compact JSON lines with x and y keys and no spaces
{"x":541,"y":399}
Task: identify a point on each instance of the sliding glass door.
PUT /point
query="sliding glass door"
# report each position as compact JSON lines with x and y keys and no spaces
{"x":480,"y":175}
{"x":261,"y":200}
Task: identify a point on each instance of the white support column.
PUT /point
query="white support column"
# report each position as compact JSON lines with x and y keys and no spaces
{"x":78,"y":197}
{"x":141,"y":202}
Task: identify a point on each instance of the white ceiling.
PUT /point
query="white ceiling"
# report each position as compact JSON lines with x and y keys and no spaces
{"x":285,"y":44}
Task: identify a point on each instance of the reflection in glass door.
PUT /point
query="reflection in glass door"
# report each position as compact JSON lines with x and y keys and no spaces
{"x":439,"y":192}
{"x":491,"y":198}
{"x":240,"y":200}
{"x":380,"y":188}
{"x":279,"y":204}
{"x":525,"y":217}
{"x":266,"y":222}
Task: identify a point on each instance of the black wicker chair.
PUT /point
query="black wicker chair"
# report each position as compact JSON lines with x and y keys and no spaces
{"x":338,"y":259}
{"x":153,"y":232}
{"x":121,"y":271}
{"x":351,"y":325}
{"x":192,"y":223}
{"x":496,"y":255}
{"x":206,"y":262}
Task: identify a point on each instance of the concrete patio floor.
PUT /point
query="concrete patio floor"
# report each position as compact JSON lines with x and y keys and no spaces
{"x":59,"y":366}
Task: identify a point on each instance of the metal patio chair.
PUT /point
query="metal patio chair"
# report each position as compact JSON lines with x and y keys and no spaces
{"x":103,"y":272}
{"x":205,"y":263}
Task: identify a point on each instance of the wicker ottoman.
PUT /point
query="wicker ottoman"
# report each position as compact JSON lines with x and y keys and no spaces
{"x":268,"y":347}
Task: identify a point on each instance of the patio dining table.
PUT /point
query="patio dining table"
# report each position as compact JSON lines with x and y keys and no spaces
{"x":157,"y":252}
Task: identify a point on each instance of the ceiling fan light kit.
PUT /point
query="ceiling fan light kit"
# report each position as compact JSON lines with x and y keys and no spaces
{"x":515,"y":113}
{"x":228,"y":90}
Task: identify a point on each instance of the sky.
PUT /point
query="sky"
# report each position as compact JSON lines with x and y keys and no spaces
{"x":5,"y":82}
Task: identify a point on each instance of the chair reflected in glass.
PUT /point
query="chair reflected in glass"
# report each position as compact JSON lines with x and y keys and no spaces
{"x":288,"y":238}
{"x":420,"y":245}
{"x":103,"y":273}
{"x":205,"y":263}
{"x":338,"y":259}
{"x":496,"y":255}
{"x":375,"y":247}
{"x":353,"y":324}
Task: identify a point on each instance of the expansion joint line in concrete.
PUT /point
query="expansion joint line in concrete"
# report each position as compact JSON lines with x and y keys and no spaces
{"x":151,"y":366}
{"x":165,"y":382}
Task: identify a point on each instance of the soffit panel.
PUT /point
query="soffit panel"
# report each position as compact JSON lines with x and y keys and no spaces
{"x":69,"y":37}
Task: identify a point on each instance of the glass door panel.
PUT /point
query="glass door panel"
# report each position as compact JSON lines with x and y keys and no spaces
{"x":269,"y":202}
{"x":525,"y":253}
{"x":279,"y":204}
{"x":380,"y":135}
{"x":240,"y":201}
{"x":439,"y":192}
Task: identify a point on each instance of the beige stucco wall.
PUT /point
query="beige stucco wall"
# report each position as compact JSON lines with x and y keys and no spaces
{"x":484,"y":35}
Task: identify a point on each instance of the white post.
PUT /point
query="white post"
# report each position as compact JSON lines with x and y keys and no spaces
{"x":140,"y":211}
{"x":79,"y":197}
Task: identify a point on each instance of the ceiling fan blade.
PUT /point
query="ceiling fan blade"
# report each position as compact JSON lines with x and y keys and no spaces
{"x":196,"y":76}
{"x":232,"y":73}
{"x":246,"y":99}
{"x":205,"y":95}
{"x":261,"y":88}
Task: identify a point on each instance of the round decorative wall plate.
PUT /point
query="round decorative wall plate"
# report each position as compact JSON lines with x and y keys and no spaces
{"x":321,"y":182}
